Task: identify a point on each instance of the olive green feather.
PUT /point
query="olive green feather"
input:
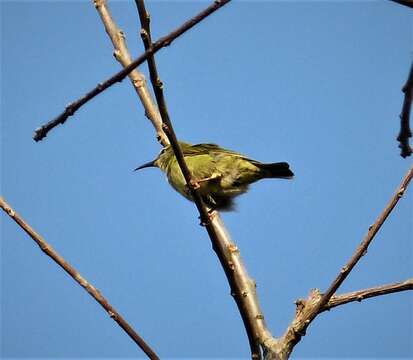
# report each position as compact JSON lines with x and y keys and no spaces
{"x":222,"y":174}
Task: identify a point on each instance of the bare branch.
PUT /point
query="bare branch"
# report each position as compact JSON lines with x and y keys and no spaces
{"x":405,"y":132}
{"x":316,"y":301}
{"x":42,"y":131}
{"x":242,"y":286}
{"x":337,"y":300}
{"x":373,"y":230}
{"x":95,"y":293}
{"x":122,"y":54}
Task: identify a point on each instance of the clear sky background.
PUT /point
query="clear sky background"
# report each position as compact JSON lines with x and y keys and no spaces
{"x":316,"y":84}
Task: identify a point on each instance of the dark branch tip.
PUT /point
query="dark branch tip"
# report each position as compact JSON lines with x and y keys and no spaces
{"x":39,"y":134}
{"x":406,"y":152}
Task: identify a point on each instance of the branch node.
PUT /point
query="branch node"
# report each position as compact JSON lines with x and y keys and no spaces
{"x":232,"y":248}
{"x":69,"y":111}
{"x":10,"y":211}
{"x":159,"y":83}
{"x":344,"y":269}
{"x":300,"y":305}
{"x":97,"y":3}
{"x":81,"y":280}
{"x":121,"y":34}
{"x":45,"y":248}
{"x":117,"y":54}
{"x":144,"y":34}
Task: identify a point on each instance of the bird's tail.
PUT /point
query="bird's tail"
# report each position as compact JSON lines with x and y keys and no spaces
{"x":276,"y":170}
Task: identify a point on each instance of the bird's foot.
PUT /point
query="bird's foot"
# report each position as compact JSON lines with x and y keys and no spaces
{"x":212,"y":214}
{"x":194,"y":184}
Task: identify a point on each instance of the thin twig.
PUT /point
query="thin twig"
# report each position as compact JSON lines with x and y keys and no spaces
{"x":95,"y":293}
{"x":337,"y":300}
{"x":408,"y":3}
{"x":42,"y":131}
{"x":317,"y":301}
{"x":405,"y":131}
{"x":240,"y":282}
{"x":122,"y":54}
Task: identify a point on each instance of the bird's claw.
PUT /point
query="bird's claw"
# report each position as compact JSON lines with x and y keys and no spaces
{"x":194,"y":184}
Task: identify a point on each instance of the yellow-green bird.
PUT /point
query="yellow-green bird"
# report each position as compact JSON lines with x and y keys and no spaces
{"x":222,"y":174}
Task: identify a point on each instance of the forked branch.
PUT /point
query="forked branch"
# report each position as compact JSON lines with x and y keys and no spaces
{"x":317,"y":302}
{"x":95,"y":293}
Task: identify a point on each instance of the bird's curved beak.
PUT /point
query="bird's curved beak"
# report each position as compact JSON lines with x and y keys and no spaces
{"x":148,"y":164}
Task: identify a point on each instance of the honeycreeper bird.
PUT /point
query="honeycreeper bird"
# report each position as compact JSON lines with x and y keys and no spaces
{"x":221,"y":174}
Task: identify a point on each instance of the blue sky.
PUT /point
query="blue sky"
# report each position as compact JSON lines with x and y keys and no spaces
{"x":316,"y":84}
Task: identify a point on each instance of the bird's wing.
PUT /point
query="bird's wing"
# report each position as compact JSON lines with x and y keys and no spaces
{"x":201,"y":149}
{"x":202,"y":166}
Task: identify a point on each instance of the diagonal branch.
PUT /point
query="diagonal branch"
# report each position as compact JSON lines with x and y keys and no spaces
{"x":362,"y":249}
{"x":308,"y":310}
{"x":122,"y":54}
{"x":405,"y":132}
{"x":408,"y":3}
{"x":42,"y":131}
{"x":242,"y":286}
{"x":95,"y":293}
{"x":337,"y":300}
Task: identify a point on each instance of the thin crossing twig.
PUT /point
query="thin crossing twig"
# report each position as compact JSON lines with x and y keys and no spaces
{"x":316,"y":302}
{"x":43,"y":130}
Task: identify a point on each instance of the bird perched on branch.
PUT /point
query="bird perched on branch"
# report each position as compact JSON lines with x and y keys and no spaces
{"x":221,"y":174}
